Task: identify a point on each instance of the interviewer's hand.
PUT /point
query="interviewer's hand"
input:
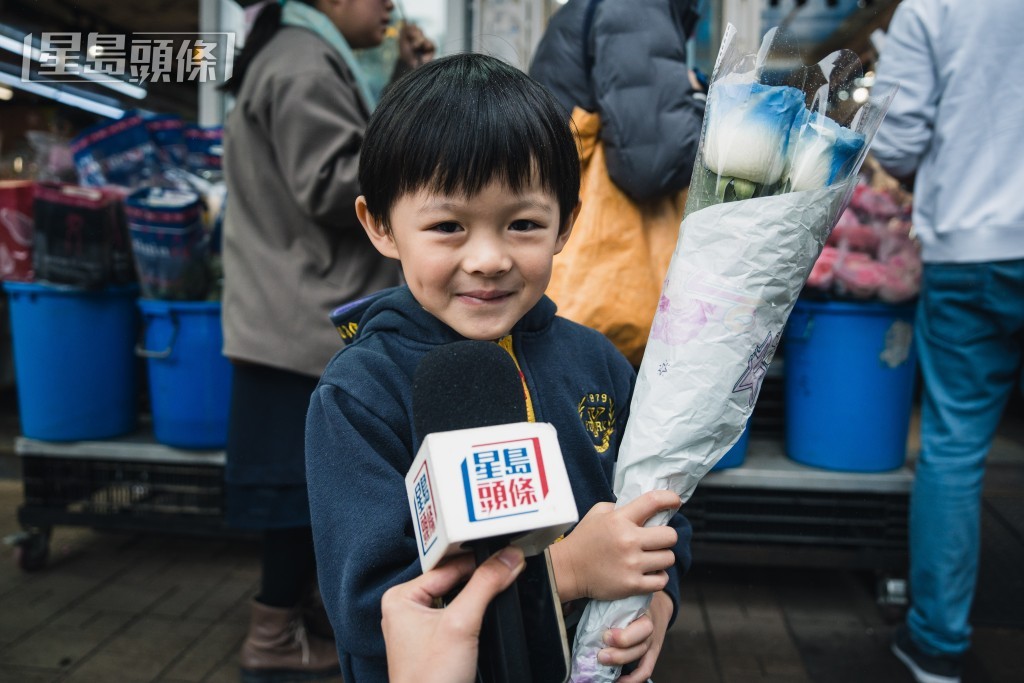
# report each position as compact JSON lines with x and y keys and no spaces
{"x":429,"y":645}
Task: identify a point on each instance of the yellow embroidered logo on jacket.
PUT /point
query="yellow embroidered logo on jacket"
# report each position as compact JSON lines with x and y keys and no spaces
{"x":348,"y":330}
{"x":597,"y":412}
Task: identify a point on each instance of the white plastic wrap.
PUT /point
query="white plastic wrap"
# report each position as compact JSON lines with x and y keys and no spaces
{"x":745,"y":249}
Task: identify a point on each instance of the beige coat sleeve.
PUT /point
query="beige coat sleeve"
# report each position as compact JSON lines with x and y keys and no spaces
{"x":316,"y":124}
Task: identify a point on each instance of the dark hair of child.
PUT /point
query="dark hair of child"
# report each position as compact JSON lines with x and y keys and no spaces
{"x":458,"y":123}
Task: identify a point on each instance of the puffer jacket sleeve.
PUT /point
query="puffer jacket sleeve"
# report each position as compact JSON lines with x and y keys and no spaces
{"x":650,"y":118}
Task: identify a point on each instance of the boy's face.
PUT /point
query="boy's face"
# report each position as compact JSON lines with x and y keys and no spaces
{"x":477,"y":263}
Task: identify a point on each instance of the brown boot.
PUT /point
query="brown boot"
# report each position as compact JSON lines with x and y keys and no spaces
{"x":279,"y":650}
{"x":314,"y":615}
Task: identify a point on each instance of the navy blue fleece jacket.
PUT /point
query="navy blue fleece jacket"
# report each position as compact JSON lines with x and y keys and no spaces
{"x":360,"y":442}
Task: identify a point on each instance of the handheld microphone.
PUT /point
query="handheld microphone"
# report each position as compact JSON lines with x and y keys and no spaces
{"x":485,"y":477}
{"x":466,"y":384}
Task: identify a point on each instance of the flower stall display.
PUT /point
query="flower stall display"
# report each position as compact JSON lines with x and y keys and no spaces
{"x":870,"y":253}
{"x":778,"y":162}
{"x":152,"y":157}
{"x":143,"y":216}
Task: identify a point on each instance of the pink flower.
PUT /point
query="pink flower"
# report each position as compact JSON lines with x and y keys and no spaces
{"x":896,"y":239}
{"x":875,"y":203}
{"x":902,"y":280}
{"x":856,"y":237}
{"x":848,"y":219}
{"x":858,"y":275}
{"x":822,"y":272}
{"x":898,"y":285}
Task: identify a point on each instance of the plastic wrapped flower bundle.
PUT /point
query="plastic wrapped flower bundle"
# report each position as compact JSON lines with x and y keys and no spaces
{"x":870,"y":253}
{"x":780,"y":152}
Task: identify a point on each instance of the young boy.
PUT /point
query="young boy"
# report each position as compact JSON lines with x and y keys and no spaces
{"x":471,"y":180}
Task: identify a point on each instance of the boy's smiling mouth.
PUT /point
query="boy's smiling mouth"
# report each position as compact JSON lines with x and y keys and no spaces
{"x":485,"y":296}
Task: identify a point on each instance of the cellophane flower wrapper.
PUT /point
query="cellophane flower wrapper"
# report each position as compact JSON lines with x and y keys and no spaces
{"x":779,"y":155}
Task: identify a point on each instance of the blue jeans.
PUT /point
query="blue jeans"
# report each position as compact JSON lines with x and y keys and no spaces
{"x":969,"y":335}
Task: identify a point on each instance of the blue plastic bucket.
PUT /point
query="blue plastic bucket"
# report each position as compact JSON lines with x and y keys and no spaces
{"x":849,"y":376}
{"x":73,"y":360}
{"x":735,"y":456}
{"x":189,"y":378}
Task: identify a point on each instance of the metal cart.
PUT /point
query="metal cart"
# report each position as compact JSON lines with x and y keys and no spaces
{"x":128,"y":483}
{"x":773,"y":511}
{"x":769,"y":511}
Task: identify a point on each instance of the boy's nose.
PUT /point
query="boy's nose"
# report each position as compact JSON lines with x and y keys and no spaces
{"x":486,"y":256}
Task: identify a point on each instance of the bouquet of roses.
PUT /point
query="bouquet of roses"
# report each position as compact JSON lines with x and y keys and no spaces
{"x":779,"y":155}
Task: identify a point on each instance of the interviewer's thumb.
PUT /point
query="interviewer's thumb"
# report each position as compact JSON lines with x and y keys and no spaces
{"x":489,"y":579}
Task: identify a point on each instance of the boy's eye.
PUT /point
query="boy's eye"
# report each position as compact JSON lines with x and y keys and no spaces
{"x":523,"y":225}
{"x":447,"y":228}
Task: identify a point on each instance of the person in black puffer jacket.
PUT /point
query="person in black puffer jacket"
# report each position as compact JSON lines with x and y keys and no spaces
{"x":626,"y":59}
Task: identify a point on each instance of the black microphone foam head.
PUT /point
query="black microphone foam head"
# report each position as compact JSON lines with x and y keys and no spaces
{"x":466,"y":384}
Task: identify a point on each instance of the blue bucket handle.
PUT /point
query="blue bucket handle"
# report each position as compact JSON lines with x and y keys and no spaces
{"x":142,"y":352}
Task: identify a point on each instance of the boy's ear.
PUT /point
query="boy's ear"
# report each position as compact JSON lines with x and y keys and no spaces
{"x":378,"y":234}
{"x":566,"y":230}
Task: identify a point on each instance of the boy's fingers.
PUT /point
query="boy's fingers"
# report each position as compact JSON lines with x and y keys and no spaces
{"x":489,"y":579}
{"x":611,"y":656}
{"x":636,"y":633}
{"x":657,"y":560}
{"x":643,"y":672}
{"x":652,"y":502}
{"x":658,"y":538}
{"x":652,"y":582}
{"x":625,"y":645}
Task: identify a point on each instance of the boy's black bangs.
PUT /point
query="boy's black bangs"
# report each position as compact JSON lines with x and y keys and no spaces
{"x":484,"y":138}
{"x":480,"y":121}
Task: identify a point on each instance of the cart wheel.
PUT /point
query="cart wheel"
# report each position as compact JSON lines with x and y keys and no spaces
{"x":892,"y":598}
{"x":32,"y":550}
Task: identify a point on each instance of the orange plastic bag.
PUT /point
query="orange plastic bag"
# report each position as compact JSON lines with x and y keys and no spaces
{"x":610,"y":273}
